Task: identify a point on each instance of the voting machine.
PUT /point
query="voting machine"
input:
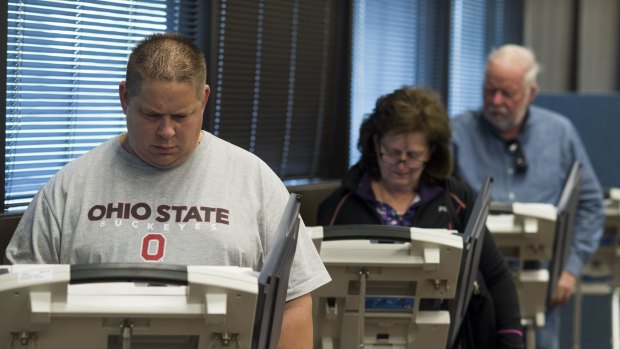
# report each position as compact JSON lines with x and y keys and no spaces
{"x":382,"y":277}
{"x":602,"y":273}
{"x":535,"y":240}
{"x":136,"y":306}
{"x":601,"y":276}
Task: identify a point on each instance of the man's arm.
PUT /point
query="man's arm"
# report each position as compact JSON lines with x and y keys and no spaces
{"x":35,"y":240}
{"x":588,"y":223}
{"x":297,"y":324}
{"x":587,"y":226}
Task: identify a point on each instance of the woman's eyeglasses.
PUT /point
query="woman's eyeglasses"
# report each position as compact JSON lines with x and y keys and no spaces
{"x":412,"y":161}
{"x":514,"y":148}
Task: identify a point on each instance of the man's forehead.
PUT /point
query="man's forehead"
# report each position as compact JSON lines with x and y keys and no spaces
{"x":506,"y":69}
{"x":503,"y":79}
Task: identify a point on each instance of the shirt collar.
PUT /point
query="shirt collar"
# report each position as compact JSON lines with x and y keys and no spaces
{"x":426,"y":193}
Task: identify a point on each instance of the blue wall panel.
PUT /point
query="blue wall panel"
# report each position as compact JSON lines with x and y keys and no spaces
{"x":597,"y":119}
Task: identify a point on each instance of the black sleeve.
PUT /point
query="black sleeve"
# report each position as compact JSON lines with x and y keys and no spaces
{"x":498,"y":281}
{"x":344,"y":207}
{"x":327,"y":208}
{"x":501,"y":287}
{"x":323,"y":214}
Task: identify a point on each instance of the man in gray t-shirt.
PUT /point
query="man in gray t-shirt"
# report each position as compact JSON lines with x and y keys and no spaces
{"x":168,"y":192}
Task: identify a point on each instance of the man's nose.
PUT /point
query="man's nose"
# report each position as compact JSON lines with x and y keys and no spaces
{"x":497,"y":98}
{"x":166,"y":128}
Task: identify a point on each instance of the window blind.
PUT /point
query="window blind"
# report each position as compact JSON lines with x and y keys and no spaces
{"x":477,"y":27}
{"x":274,"y":77}
{"x":467,"y":55}
{"x":394,"y":43}
{"x":64,"y":62}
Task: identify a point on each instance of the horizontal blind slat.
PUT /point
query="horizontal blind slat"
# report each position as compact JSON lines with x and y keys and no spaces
{"x":64,"y":62}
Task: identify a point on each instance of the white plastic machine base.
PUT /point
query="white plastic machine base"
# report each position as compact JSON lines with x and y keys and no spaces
{"x":602,"y":274}
{"x":527,"y":234}
{"x":41,"y":310}
{"x":426,"y":267}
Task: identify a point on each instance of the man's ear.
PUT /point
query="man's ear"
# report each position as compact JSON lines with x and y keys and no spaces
{"x":122,"y":94}
{"x":533,"y":92}
{"x":207,"y":92}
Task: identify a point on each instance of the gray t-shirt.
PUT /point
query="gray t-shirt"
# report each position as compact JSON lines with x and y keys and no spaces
{"x":220,"y":207}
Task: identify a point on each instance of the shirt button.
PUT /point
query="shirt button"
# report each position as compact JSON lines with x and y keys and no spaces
{"x":511,"y":196}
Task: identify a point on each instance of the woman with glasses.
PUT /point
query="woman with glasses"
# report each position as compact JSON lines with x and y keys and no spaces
{"x":403,"y":179}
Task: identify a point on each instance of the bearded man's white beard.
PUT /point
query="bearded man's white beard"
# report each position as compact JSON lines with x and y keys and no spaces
{"x":500,"y":119}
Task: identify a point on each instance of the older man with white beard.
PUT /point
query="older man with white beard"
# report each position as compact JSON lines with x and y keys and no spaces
{"x":529,"y":152}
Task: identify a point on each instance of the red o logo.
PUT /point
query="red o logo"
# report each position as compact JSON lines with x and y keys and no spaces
{"x":153,"y":246}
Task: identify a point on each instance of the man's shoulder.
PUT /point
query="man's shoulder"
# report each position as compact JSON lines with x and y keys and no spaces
{"x":465,"y":120}
{"x":540,"y":115}
{"x":465,"y":125}
{"x":93,"y":157}
{"x":466,"y":116}
{"x":242,"y":160}
{"x":538,"y":110}
{"x":228,"y":149}
{"x":88,"y":165}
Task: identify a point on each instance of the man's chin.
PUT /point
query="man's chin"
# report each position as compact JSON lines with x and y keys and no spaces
{"x":163,"y":162}
{"x":499,"y":122}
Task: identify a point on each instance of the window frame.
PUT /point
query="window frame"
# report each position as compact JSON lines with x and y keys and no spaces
{"x":4,"y":7}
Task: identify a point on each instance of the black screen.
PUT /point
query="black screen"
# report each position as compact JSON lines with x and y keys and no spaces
{"x":566,"y":207}
{"x":473,"y":237}
{"x":273,"y":279}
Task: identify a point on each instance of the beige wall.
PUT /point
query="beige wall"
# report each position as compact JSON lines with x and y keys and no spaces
{"x":577,"y":46}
